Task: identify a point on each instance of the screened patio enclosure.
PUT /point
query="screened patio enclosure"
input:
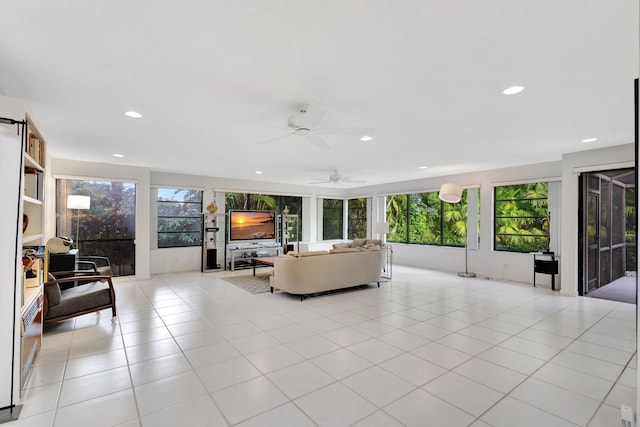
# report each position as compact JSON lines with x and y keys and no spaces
{"x":608,"y":227}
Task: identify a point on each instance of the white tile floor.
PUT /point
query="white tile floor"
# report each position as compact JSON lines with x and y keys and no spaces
{"x":428,"y":349}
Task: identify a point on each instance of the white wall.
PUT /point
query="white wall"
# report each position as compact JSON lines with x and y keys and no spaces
{"x":485,"y":262}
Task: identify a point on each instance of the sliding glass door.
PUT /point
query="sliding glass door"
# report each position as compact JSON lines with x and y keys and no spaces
{"x":100,"y":223}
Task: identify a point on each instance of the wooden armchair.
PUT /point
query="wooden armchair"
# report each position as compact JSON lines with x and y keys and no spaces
{"x":92,"y":293}
{"x":99,"y":265}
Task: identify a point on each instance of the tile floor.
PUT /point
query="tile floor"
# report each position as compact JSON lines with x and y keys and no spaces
{"x":428,"y":349}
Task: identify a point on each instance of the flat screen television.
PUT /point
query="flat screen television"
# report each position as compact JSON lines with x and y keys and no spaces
{"x":247,"y":226}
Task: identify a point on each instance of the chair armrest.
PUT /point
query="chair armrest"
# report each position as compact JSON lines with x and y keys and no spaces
{"x":86,"y":279}
{"x":90,"y":265}
{"x":102,"y":261}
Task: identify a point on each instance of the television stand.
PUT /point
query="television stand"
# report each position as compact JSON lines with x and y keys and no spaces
{"x":241,"y":255}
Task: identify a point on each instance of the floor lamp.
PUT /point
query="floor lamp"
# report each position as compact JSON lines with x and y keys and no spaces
{"x":452,"y":193}
{"x":78,"y":203}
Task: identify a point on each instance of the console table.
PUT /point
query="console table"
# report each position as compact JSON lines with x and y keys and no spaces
{"x":545,"y":263}
{"x":249,"y":252}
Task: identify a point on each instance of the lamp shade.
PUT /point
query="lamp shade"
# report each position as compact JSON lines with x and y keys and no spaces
{"x":450,"y":193}
{"x":381,"y":227}
{"x":78,"y":202}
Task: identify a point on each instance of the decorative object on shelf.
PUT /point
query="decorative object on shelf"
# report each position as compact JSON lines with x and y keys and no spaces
{"x":78,"y":203}
{"x":452,"y":193}
{"x":212,"y":208}
{"x":285,"y":211}
{"x":25,"y":222}
{"x":59,"y":245}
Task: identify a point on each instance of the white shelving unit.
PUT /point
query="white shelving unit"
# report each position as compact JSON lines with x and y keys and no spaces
{"x":212,"y":240}
{"x":22,"y":156}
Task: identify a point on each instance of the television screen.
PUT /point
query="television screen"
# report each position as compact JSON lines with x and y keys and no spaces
{"x":252,"y":225}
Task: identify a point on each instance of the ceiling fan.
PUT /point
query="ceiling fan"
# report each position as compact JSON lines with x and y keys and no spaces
{"x":336,"y":178}
{"x":305,"y":124}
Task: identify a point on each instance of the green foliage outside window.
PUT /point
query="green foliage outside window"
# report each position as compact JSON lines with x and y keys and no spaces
{"x":422,"y":218}
{"x":522,"y":217}
{"x":332,"y":219}
{"x":179,"y":218}
{"x":357,"y":218}
{"x":396,"y":211}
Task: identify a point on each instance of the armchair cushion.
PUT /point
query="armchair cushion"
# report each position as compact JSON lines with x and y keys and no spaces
{"x":53,"y":292}
{"x":91,"y":293}
{"x":81,"y":298}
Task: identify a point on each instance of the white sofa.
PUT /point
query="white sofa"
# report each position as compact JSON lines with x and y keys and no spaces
{"x":314,"y":272}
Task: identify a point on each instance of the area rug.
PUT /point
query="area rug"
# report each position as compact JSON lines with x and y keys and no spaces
{"x":254,"y":284}
{"x":623,"y":290}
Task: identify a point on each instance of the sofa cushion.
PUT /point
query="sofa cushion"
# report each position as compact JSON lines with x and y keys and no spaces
{"x":374,"y":242}
{"x":313,"y":253}
{"x":357,"y":243}
{"x":345,"y":250}
{"x":369,"y":247}
{"x":341,"y":245}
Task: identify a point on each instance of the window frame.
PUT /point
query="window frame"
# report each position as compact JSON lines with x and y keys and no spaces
{"x":440,"y":225}
{"x":340,"y":217}
{"x":198,"y":216}
{"x":544,"y":218}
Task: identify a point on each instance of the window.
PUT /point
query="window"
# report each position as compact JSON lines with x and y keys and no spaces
{"x":521,"y":221}
{"x":179,"y":218}
{"x":396,"y":212}
{"x":357,"y":218}
{"x":107,"y":228}
{"x":332,"y":219}
{"x":422,"y":218}
{"x":261,"y":202}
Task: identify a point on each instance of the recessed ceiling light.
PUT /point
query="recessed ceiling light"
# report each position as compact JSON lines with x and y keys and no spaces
{"x":117,"y":155}
{"x":590,"y":140}
{"x":424,"y":167}
{"x":513,"y":90}
{"x":366,"y":138}
{"x":133,"y":114}
{"x":259,"y":172}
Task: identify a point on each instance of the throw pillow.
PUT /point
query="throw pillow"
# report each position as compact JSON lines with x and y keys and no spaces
{"x":374,"y":242}
{"x":357,"y":243}
{"x":369,"y":247}
{"x":340,"y":245}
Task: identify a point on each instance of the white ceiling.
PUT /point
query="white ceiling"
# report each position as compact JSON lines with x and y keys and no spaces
{"x":214,"y":78}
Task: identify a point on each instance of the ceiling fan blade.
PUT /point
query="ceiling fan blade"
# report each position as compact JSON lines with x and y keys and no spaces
{"x":317,"y":142}
{"x":276,"y":138}
{"x":345,"y":131}
{"x":314,"y":114}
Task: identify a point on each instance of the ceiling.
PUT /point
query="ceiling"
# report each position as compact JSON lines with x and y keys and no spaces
{"x":213,"y":79}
